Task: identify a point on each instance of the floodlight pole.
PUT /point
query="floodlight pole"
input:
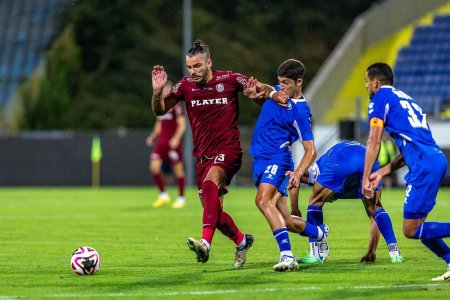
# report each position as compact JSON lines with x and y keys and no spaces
{"x":187,"y":140}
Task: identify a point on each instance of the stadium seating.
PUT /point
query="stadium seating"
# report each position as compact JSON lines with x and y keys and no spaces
{"x":26,"y":30}
{"x":423,"y":68}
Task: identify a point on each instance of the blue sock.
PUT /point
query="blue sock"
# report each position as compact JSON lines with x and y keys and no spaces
{"x":314,"y":216}
{"x":439,"y":247}
{"x":311,"y":231}
{"x":432,"y":230}
{"x":385,"y":225}
{"x":282,"y":237}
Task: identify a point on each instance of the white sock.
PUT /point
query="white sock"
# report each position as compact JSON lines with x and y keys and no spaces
{"x":163,"y":195}
{"x":206,"y":243}
{"x":286,"y":253}
{"x":313,"y":249}
{"x":181,"y":199}
{"x":244,"y":241}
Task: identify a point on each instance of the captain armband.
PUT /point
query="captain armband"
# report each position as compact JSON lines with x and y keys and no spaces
{"x":375,"y":122}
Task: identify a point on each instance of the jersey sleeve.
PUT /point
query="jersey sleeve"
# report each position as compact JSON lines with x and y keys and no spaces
{"x":378,"y":107}
{"x":177,"y":90}
{"x":302,"y":124}
{"x":240,"y":80}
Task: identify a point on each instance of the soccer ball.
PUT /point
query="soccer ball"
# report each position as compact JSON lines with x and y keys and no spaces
{"x":85,"y":261}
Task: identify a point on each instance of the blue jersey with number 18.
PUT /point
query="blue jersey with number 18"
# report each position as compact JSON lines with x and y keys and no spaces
{"x":405,"y":121}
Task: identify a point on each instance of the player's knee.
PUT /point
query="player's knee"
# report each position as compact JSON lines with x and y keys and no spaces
{"x":261,"y":202}
{"x":409,"y":232}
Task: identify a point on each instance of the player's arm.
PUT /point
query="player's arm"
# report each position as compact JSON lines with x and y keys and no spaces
{"x":372,"y":150}
{"x":154,"y":134}
{"x":181,"y":128}
{"x":376,"y":177}
{"x":307,"y":159}
{"x":259,"y":92}
{"x":161,"y":103}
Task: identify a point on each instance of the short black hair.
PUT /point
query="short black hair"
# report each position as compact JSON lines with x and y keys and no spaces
{"x":382,"y":72}
{"x":291,"y":68}
{"x":198,"y":47}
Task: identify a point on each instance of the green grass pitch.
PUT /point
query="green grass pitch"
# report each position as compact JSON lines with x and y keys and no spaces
{"x":144,"y":253}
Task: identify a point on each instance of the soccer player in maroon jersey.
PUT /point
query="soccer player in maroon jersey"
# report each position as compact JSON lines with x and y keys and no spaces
{"x":169,"y":129}
{"x":211,"y":99}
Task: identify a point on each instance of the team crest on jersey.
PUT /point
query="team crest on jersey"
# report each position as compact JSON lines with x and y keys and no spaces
{"x":219,"y":87}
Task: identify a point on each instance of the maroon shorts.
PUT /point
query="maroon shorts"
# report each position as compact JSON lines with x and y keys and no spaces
{"x":163,"y":152}
{"x":229,"y":159}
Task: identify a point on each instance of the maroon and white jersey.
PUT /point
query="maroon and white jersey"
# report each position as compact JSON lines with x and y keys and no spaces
{"x":213,"y":110}
{"x":169,"y":123}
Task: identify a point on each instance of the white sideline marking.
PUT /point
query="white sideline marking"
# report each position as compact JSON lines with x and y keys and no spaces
{"x":222,"y":292}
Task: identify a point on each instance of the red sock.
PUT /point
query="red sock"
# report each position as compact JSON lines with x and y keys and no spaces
{"x":159,"y":180}
{"x":227,"y":226}
{"x":211,"y":209}
{"x":180,"y":183}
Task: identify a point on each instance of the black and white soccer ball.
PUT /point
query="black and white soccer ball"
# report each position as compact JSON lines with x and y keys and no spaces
{"x":85,"y":261}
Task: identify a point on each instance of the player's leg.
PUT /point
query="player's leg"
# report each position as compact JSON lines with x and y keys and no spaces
{"x":212,"y":208}
{"x":178,"y":170}
{"x":155,"y":169}
{"x":295,"y":223}
{"x":376,"y":212}
{"x":293,"y":196}
{"x":419,"y":201}
{"x":314,"y":216}
{"x":266,"y":202}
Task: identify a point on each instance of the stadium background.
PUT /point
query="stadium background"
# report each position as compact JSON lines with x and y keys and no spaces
{"x":73,"y":70}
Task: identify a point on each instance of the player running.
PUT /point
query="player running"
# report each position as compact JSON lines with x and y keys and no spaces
{"x":337,"y":175}
{"x":403,"y":118}
{"x":169,"y":129}
{"x":276,"y":129}
{"x":211,"y":99}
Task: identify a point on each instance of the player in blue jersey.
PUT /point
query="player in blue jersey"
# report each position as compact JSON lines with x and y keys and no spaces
{"x":276,"y":129}
{"x":403,"y":118}
{"x":337,"y":175}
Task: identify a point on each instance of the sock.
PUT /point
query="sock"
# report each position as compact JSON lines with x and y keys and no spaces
{"x":228,"y":228}
{"x":385,"y":226}
{"x":438,"y":247}
{"x":313,"y":249}
{"x":314,"y":216}
{"x":211,"y":209}
{"x":180,"y":184}
{"x":208,"y":245}
{"x":432,"y":230}
{"x":312,"y":231}
{"x":159,"y":180}
{"x":282,"y":237}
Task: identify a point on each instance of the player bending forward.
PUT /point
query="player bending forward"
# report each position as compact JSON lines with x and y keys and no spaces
{"x":337,"y":175}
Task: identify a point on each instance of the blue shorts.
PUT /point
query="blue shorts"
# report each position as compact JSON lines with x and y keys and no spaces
{"x":422,"y":185}
{"x":272,"y":172}
{"x":341,"y":171}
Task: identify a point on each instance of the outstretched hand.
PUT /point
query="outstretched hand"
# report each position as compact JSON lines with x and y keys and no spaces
{"x":251,"y":90}
{"x":159,"y":78}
